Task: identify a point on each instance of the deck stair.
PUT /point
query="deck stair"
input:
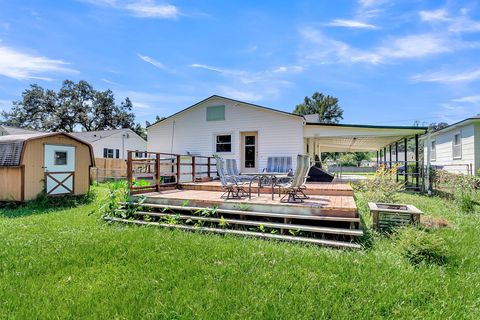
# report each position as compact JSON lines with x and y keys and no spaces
{"x":339,"y":232}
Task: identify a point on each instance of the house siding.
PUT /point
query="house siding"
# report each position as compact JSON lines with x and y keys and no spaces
{"x":134,"y":142}
{"x":444,"y":149}
{"x":278,"y":134}
{"x":477,"y":149}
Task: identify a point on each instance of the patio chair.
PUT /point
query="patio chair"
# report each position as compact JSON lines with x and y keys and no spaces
{"x":279,"y":164}
{"x":294,"y":188}
{"x":232,"y":170}
{"x":234,"y":188}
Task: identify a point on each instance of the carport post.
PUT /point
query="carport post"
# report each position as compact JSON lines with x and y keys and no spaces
{"x":417,"y":166}
{"x":405,"y":142}
{"x":390,"y":155}
{"x":385,"y":156}
{"x":396,"y":158}
{"x":378,"y":157}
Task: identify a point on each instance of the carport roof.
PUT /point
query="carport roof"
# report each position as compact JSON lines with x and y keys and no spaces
{"x":357,"y":138}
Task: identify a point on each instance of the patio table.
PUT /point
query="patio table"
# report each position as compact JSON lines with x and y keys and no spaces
{"x":272,"y":176}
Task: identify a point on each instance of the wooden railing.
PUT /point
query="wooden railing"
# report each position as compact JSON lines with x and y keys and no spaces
{"x":152,"y":171}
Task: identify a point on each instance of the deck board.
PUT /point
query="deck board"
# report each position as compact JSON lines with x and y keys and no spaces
{"x":313,"y":188}
{"x":340,"y":206}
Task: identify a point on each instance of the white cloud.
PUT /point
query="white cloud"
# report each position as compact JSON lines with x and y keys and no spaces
{"x":240,"y":94}
{"x":152,"y":61}
{"x":371,"y":3}
{"x":22,"y":66}
{"x":468,"y":99}
{"x":142,"y":8}
{"x":434,"y":15}
{"x":319,"y":48}
{"x":351,"y":24}
{"x":448,"y":77}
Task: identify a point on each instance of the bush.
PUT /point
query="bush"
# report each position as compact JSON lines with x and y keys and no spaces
{"x":421,"y":247}
{"x":383,"y":187}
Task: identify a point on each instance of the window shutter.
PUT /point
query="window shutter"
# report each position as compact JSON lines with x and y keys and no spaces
{"x":216,"y":113}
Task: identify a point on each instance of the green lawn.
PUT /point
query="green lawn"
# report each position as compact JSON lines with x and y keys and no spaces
{"x":66,"y":263}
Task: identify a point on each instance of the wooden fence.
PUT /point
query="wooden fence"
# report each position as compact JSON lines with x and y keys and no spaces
{"x":154,"y":171}
{"x":109,"y":169}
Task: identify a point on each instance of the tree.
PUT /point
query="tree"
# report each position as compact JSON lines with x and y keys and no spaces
{"x":434,"y":127}
{"x":76,"y":106}
{"x":325,"y":106}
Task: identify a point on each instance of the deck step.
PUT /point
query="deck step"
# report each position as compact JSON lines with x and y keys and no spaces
{"x":323,"y":242}
{"x":307,"y":228}
{"x":253,"y":213}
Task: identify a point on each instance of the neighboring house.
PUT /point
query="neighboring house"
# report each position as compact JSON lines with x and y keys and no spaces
{"x":7,"y":130}
{"x":112,"y":143}
{"x":455,"y":148}
{"x":251,"y":133}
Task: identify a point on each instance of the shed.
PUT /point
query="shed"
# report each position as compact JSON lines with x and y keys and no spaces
{"x":57,"y":163}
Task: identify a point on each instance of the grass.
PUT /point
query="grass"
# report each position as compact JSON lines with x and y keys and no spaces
{"x":64,"y":263}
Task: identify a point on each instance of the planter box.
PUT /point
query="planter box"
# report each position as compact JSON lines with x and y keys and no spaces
{"x":390,"y":215}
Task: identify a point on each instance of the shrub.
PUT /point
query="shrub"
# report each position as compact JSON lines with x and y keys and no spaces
{"x":421,"y":247}
{"x":382,"y":187}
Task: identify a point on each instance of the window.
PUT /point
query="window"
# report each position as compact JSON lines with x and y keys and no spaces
{"x":216,"y":113}
{"x":433,"y":154}
{"x":107,"y":153}
{"x":117,"y":153}
{"x":223,"y":143}
{"x":457,"y":146}
{"x":60,"y":158}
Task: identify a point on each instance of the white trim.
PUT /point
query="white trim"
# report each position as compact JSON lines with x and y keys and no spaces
{"x":214,"y":141}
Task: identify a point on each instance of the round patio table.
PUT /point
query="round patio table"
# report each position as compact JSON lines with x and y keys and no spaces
{"x":272,"y":176}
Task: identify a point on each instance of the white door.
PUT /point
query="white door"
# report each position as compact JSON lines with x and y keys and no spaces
{"x":59,"y":165}
{"x":249,"y":151}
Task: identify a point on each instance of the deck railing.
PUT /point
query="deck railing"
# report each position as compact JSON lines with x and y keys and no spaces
{"x":152,"y":171}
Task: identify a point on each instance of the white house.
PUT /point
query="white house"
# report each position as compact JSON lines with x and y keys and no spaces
{"x":455,"y":148}
{"x":251,"y":133}
{"x":112,"y":143}
{"x":7,"y":130}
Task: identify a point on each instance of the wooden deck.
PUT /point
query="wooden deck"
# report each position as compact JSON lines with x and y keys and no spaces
{"x":313,"y":188}
{"x":338,"y":206}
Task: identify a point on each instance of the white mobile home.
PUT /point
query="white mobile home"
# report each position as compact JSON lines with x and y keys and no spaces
{"x":455,"y":148}
{"x":251,"y":133}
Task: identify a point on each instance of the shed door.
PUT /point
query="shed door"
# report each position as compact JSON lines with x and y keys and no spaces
{"x":59,"y":165}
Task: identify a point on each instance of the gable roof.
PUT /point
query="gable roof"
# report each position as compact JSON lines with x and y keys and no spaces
{"x":92,"y":136}
{"x":228,"y":99}
{"x":16,"y":130}
{"x":12,"y":146}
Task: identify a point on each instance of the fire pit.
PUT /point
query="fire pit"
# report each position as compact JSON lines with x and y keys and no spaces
{"x":386,"y":216}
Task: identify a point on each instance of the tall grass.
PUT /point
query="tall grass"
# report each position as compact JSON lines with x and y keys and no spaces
{"x":65,"y":263}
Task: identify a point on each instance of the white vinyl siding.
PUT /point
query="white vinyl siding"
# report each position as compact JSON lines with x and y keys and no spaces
{"x":433,"y":150}
{"x":121,"y":142}
{"x":278,"y":134}
{"x":465,"y":148}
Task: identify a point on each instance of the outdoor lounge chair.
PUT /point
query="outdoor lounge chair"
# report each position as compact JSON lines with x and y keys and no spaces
{"x":294,"y":188}
{"x":232,"y":170}
{"x":279,"y":164}
{"x":234,"y":188}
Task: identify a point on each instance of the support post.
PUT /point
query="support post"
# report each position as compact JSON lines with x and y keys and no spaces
{"x":378,"y":158}
{"x":390,"y":156}
{"x":209,"y":164}
{"x":429,"y":159}
{"x":396,"y":158}
{"x":385,"y":156}
{"x":129,"y":170}
{"x":417,"y":164}
{"x":405,"y":142}
{"x":178,"y":169}
{"x":193,"y":169}
{"x":157,"y":172}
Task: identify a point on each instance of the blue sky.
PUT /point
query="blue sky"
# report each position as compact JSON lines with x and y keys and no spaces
{"x":389,"y":62}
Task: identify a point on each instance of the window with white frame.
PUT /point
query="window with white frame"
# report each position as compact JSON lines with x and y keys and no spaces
{"x":433,"y":149}
{"x":108,"y":153}
{"x":457,"y":146}
{"x":223,"y":143}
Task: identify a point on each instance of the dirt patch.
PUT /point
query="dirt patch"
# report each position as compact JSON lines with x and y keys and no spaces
{"x":435,"y":222}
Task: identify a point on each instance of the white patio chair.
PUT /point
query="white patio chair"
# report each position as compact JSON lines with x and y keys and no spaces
{"x":294,"y":188}
{"x":234,"y":188}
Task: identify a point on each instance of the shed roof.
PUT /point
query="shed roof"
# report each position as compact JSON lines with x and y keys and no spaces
{"x":15,"y":130}
{"x":92,"y":136}
{"x":12,"y":146}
